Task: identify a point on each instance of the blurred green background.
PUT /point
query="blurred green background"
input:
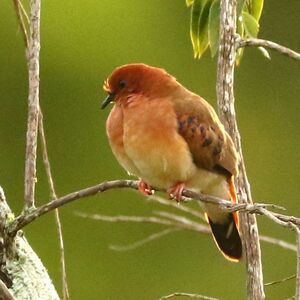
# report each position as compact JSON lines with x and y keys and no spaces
{"x":82,"y":42}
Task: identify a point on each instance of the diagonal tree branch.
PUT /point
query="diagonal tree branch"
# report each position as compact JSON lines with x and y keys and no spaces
{"x":33,"y":104}
{"x":258,"y":208}
{"x":253,"y":42}
{"x":280,"y":281}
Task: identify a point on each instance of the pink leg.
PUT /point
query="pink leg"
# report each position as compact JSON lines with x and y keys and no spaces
{"x":175,"y":191}
{"x":145,"y":188}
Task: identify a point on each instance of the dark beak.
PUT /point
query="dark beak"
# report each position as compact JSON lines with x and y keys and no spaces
{"x":107,"y":100}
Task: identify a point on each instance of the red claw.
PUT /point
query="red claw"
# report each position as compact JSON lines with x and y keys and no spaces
{"x":175,"y":191}
{"x":145,"y":188}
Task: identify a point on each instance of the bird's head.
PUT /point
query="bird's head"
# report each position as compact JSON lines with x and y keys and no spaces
{"x":134,"y":79}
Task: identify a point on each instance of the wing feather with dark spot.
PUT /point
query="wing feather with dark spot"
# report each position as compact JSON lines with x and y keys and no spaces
{"x":209,"y":143}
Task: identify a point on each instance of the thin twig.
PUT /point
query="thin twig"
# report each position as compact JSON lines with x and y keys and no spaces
{"x":122,"y":218}
{"x":46,"y":157}
{"x":53,"y":196}
{"x":171,"y":221}
{"x":267,"y":44}
{"x":24,"y":219}
{"x":182,"y":220}
{"x":20,"y":11}
{"x":5,"y":294}
{"x":152,"y":237}
{"x":281,"y":243}
{"x":297,"y":294}
{"x":65,"y":287}
{"x":195,"y":296}
{"x":33,"y":104}
{"x":281,"y":280}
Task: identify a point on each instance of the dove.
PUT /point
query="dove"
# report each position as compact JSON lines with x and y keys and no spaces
{"x":172,"y":139}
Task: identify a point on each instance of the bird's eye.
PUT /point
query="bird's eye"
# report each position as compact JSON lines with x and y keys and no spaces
{"x":122,"y":84}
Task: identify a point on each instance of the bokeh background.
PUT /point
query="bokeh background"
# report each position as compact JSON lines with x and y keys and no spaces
{"x":82,"y":42}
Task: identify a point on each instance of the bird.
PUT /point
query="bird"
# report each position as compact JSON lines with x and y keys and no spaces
{"x":172,"y":139}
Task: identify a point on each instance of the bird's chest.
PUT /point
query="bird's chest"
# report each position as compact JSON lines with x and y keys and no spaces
{"x":115,"y":133}
{"x":151,"y":140}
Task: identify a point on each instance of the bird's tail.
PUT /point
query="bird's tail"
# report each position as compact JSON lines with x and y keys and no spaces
{"x":226,"y":234}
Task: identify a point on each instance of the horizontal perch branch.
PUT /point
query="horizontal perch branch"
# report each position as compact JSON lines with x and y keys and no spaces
{"x":27,"y":217}
{"x":267,"y":44}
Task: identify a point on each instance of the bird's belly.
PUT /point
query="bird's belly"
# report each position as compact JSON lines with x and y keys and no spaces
{"x":163,"y":169}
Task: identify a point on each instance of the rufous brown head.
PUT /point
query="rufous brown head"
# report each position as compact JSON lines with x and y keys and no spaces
{"x":132,"y":79}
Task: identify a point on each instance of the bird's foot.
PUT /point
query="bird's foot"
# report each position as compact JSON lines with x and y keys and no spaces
{"x":145,"y":188}
{"x":175,"y":191}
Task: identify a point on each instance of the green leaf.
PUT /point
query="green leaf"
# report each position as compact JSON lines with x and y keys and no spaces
{"x":213,"y":27}
{"x":203,"y":28}
{"x":194,"y":25}
{"x":256,"y":8}
{"x":189,"y":2}
{"x":250,"y":24}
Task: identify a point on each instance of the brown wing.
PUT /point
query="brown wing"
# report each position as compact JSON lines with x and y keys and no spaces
{"x":209,"y":143}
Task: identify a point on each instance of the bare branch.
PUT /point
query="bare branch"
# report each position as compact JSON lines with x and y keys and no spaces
{"x":142,"y":242}
{"x":187,"y":223}
{"x":21,"y":14}
{"x":46,"y":157}
{"x":195,"y":296}
{"x":225,"y":95}
{"x":180,"y":222}
{"x":267,"y":44}
{"x":53,"y":196}
{"x":280,"y":243}
{"x":5,"y":294}
{"x":280,"y":281}
{"x":65,"y":288}
{"x":24,"y":219}
{"x":121,"y":218}
{"x":33,"y":104}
